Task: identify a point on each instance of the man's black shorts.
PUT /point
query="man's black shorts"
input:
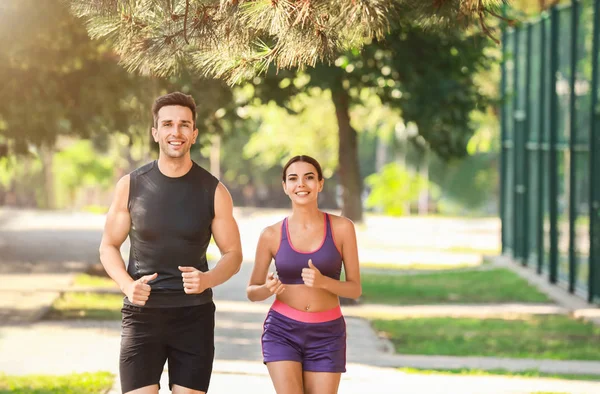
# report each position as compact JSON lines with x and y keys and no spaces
{"x":183,"y":336}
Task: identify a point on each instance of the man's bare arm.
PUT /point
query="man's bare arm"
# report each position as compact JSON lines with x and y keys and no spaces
{"x":227,"y":237}
{"x":116,"y":229}
{"x":115,"y":233}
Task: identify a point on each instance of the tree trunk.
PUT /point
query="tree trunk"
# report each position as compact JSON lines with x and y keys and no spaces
{"x":401,"y":160}
{"x":348,"y":166}
{"x":381,"y":153}
{"x":424,"y":194}
{"x":46,"y":156}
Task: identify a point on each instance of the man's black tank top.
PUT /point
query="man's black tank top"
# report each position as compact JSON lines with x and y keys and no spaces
{"x":170,"y":227}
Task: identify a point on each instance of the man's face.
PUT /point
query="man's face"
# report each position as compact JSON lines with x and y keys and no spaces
{"x":175,"y":132}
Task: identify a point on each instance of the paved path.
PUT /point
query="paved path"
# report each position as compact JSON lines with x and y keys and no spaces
{"x":63,"y":246}
{"x":65,"y":347}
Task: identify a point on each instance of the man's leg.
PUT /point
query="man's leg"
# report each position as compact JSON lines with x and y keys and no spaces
{"x":184,"y":390}
{"x":153,"y":389}
{"x":191,"y":349}
{"x":143,"y":354}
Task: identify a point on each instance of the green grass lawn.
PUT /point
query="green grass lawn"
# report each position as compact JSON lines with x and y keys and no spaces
{"x":84,"y":383}
{"x":551,"y":337}
{"x":416,"y":266}
{"x":456,"y":249}
{"x":533,"y":373}
{"x":94,"y":306}
{"x":497,"y":285}
{"x":87,"y":306}
{"x":85,"y":280}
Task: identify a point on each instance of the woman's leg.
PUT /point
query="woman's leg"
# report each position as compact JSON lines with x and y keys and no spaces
{"x":325,"y":357}
{"x":321,"y":382}
{"x":286,"y":376}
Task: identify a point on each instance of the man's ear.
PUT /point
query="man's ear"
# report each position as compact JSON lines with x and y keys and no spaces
{"x":155,"y":134}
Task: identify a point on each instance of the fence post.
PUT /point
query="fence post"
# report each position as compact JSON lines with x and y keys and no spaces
{"x":552,"y":162}
{"x":502,"y":200}
{"x":519,"y":118}
{"x":541,"y":162}
{"x":594,"y":208}
{"x":525,"y":150}
{"x":572,"y":150}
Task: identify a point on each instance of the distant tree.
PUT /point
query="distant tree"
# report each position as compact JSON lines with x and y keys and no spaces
{"x":427,"y":75}
{"x":57,"y":81}
{"x":393,"y":188}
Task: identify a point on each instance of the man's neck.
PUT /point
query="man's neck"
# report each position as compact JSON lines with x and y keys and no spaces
{"x":174,"y":168}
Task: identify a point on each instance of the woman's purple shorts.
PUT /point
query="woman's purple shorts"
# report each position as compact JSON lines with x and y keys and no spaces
{"x":317,"y":340}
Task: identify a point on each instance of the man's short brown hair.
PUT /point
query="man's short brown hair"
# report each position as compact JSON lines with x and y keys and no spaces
{"x":175,"y":98}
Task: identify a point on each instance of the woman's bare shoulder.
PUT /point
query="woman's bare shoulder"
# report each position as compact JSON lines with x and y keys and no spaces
{"x":341,"y":222}
{"x":272,"y":232}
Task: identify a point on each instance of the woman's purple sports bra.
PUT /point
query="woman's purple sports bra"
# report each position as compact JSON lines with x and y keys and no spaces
{"x":289,"y":262}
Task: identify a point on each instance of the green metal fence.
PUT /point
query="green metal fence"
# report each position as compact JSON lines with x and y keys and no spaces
{"x":550,"y":127}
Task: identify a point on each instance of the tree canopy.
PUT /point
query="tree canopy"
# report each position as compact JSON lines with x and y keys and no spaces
{"x":58,"y":80}
{"x":235,"y":40}
{"x":428,"y":76}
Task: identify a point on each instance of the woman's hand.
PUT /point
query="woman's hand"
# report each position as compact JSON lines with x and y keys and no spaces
{"x":311,"y":276}
{"x":274,"y":285}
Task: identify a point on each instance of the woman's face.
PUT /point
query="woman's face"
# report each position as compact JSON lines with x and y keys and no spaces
{"x":302,"y":183}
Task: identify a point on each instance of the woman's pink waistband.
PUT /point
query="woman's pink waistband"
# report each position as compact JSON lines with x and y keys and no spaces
{"x":307,"y":317}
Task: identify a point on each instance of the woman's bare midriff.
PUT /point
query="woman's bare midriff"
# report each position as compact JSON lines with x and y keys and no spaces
{"x":308,"y":299}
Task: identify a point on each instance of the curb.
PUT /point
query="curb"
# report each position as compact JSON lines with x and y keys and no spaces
{"x":577,"y":306}
{"x":489,"y":363}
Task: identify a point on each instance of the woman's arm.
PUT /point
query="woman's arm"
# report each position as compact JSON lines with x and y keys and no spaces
{"x":351,"y":287}
{"x":262,"y":283}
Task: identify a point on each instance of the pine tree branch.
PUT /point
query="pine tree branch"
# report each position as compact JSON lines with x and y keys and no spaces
{"x":235,"y":39}
{"x":185,"y":18}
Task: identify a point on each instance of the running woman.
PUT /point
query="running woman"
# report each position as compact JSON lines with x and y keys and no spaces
{"x":304,"y":334}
